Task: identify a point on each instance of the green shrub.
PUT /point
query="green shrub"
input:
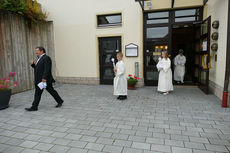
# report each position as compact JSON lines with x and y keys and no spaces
{"x":16,"y":6}
{"x":30,"y":9}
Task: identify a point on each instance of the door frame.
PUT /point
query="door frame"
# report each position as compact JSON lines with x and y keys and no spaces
{"x":101,"y":81}
{"x":205,"y":87}
{"x":170,"y":25}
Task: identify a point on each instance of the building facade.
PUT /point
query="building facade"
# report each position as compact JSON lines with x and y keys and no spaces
{"x":87,"y":34}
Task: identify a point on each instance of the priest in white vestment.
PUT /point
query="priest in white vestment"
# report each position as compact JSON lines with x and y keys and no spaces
{"x":165,"y":76}
{"x":120,"y":81}
{"x":179,"y":70}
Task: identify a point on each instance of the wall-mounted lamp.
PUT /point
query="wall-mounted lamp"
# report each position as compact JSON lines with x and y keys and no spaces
{"x":215,"y":24}
{"x":215,"y":36}
{"x":214,"y":47}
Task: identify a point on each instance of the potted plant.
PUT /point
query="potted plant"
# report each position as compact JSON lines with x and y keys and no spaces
{"x":132,"y":81}
{"x":6,"y":86}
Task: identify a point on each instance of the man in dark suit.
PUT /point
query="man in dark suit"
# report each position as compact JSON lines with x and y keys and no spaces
{"x":42,"y":73}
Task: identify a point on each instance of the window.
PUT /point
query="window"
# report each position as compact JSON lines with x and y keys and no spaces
{"x":187,"y":15}
{"x":158,"y":15}
{"x":157,"y":32}
{"x":109,"y":20}
{"x":158,"y":18}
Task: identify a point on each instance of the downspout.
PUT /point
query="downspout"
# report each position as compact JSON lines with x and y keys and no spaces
{"x":227,"y":70}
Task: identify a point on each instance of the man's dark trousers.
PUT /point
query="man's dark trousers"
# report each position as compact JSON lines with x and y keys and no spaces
{"x":38,"y":94}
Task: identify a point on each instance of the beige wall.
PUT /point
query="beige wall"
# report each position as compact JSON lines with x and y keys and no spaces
{"x":166,"y":4}
{"x":76,"y":33}
{"x":218,"y":10}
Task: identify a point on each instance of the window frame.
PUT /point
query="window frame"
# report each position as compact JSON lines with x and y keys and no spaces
{"x":115,"y":24}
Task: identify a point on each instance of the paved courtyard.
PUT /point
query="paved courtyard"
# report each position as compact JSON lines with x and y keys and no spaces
{"x":92,"y":120}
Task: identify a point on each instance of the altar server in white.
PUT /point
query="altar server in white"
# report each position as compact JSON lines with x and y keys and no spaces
{"x":179,"y":70}
{"x":165,"y":76}
{"x":120,"y":81}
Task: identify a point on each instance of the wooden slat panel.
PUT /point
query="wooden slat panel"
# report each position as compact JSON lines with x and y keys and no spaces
{"x":17,"y":47}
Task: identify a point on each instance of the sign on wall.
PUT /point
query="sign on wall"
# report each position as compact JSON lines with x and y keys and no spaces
{"x":131,"y":50}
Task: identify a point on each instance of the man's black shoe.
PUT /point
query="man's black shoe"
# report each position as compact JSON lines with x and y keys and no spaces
{"x":59,"y":105}
{"x":31,"y":109}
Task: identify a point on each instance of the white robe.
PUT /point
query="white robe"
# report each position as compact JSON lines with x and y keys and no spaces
{"x":120,"y":81}
{"x":179,"y":70}
{"x":165,"y":75}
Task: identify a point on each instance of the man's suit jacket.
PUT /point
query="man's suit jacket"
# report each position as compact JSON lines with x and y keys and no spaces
{"x":43,"y":70}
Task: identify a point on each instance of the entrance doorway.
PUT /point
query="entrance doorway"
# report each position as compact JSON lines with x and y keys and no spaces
{"x":108,"y":47}
{"x":171,"y":30}
{"x":183,"y":37}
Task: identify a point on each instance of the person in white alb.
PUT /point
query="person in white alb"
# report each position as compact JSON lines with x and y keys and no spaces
{"x":120,"y":81}
{"x":179,"y":70}
{"x":165,"y":76}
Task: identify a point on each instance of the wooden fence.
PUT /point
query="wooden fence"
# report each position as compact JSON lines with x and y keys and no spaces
{"x":17,"y":47}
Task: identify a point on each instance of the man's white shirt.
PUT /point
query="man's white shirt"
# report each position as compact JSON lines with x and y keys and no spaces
{"x":39,"y":59}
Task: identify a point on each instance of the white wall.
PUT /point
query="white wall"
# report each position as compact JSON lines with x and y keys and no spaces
{"x":218,"y":10}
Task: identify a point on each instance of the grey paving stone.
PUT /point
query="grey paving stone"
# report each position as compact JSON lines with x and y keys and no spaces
{"x":13,"y":149}
{"x":112,"y":149}
{"x":43,"y":146}
{"x":219,"y":142}
{"x":123,"y":143}
{"x":30,"y":151}
{"x":3,"y":147}
{"x":131,"y":150}
{"x":73,"y":136}
{"x":14,"y":141}
{"x":89,"y":133}
{"x":77,"y":144}
{"x":45,"y":132}
{"x":94,"y":146}
{"x":201,"y":151}
{"x":106,"y":141}
{"x":161,"y":148}
{"x":92,"y":151}
{"x":103,"y":134}
{"x":46,"y":139}
{"x":19,"y":135}
{"x":77,"y":150}
{"x":4,"y":139}
{"x":136,"y":138}
{"x":172,"y":131}
{"x":120,"y":136}
{"x":174,"y":143}
{"x":199,"y":139}
{"x":59,"y":149}
{"x":179,"y":137}
{"x":194,"y":145}
{"x":155,"y":140}
{"x":140,"y":145}
{"x":88,"y":138}
{"x":181,"y":150}
{"x":59,"y":134}
{"x":74,"y":131}
{"x":62,"y":141}
{"x":32,"y":137}
{"x":28,"y":144}
{"x":216,"y":148}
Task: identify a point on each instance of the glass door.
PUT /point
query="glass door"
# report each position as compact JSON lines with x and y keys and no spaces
{"x":156,"y":34}
{"x":108,"y":47}
{"x":202,"y":57}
